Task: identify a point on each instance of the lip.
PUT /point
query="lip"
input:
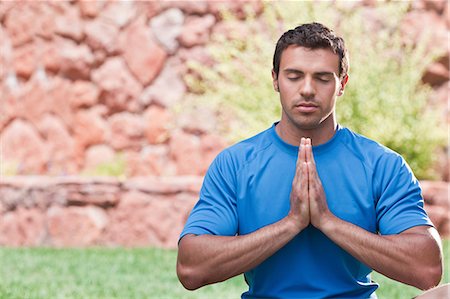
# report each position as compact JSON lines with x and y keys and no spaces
{"x":306,"y":107}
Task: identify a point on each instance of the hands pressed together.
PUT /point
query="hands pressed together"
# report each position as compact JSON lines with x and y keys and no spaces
{"x":308,"y":200}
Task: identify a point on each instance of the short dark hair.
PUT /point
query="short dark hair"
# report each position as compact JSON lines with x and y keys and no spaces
{"x":312,"y":36}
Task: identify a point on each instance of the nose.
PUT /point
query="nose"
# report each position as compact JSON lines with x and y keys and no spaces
{"x":307,"y":89}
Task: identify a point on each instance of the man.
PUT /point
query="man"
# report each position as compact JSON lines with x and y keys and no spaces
{"x":309,"y":221}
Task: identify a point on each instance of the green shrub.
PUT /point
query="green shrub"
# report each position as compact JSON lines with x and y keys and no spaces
{"x":384,"y":99}
{"x":115,"y":168}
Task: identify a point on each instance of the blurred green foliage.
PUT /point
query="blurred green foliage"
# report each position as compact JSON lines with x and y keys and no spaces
{"x":115,"y":168}
{"x":384,"y":99}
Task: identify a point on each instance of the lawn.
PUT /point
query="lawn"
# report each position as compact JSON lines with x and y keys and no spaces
{"x":122,"y":273}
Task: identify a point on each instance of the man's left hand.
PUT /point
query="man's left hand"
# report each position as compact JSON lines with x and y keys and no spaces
{"x":318,"y":207}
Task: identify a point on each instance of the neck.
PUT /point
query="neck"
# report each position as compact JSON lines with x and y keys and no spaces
{"x":290,"y":133}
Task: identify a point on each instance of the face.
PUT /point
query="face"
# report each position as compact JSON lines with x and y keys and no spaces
{"x":308,"y":83}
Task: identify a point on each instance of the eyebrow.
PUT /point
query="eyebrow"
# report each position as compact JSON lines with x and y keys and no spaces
{"x":295,"y":71}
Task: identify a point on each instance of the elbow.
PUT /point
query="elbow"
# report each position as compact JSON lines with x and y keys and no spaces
{"x":188,"y":277}
{"x":430,"y":277}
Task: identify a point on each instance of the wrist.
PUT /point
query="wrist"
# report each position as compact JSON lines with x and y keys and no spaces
{"x":293,"y":224}
{"x":328,"y":223}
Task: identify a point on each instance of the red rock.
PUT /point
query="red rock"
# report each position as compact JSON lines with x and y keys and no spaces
{"x":33,"y":94}
{"x":89,"y":8}
{"x":151,"y":161}
{"x":164,"y":185}
{"x":189,"y":7}
{"x":238,"y":7}
{"x":76,"y":60}
{"x":49,"y":57}
{"x":69,"y":24}
{"x":198,"y":54}
{"x":440,"y":218}
{"x":157,"y":120}
{"x":76,"y":226}
{"x":151,"y":8}
{"x":9,"y":106}
{"x":171,"y":82}
{"x":57,"y":100}
{"x":435,"y":5}
{"x":97,"y":155}
{"x":21,"y":145}
{"x":101,"y":34}
{"x":185,"y":150}
{"x":22,"y":227}
{"x":130,"y":224}
{"x":119,"y":89}
{"x":127,"y":130}
{"x":211,"y":146}
{"x":119,"y":13}
{"x":170,"y":22}
{"x":83,"y":94}
{"x":196,"y":30}
{"x":436,"y":74}
{"x":25,"y":61}
{"x":425,"y":27}
{"x":61,"y":146}
{"x":103,"y":195}
{"x":89,"y":128}
{"x":436,"y":193}
{"x":182,"y":206}
{"x":143,"y":55}
{"x":17,"y":23}
{"x":191,"y":123}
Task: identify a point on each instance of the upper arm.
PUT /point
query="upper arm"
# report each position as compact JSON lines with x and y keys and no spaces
{"x":215,"y":213}
{"x":400,"y":204}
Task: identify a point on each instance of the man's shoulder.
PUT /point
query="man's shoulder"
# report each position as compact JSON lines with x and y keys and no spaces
{"x":368,"y":149}
{"x":245,"y":150}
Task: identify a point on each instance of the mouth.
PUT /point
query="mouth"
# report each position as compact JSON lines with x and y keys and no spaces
{"x":306,"y":107}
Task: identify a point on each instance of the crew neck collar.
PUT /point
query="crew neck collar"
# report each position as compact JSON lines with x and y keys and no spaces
{"x":292,"y":149}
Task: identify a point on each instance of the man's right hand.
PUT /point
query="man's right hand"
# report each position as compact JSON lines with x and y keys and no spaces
{"x":299,"y":211}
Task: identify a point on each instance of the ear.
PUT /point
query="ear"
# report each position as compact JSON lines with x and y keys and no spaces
{"x":275,"y":81}
{"x":343,"y":83}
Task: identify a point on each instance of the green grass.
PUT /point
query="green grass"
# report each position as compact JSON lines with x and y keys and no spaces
{"x":122,"y":273}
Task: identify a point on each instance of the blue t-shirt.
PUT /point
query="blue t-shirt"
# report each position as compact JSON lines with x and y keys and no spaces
{"x":248,"y":186}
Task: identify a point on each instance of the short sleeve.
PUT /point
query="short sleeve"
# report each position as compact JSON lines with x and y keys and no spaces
{"x":215,"y":212}
{"x":400,"y":204}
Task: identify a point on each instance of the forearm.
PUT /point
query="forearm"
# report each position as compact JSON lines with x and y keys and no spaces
{"x":206,"y":259}
{"x":412,"y":257}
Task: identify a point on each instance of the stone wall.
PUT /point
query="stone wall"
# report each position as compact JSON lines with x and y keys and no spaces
{"x":142,"y":211}
{"x":85,"y":82}
{"x":74,"y":211}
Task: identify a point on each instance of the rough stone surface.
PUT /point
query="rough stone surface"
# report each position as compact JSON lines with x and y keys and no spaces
{"x":171,"y":82}
{"x":157,"y":124}
{"x":170,"y":22}
{"x":69,"y":24}
{"x":61,"y":146}
{"x":75,"y":226}
{"x":143,"y":55}
{"x":98,"y":155}
{"x":23,"y":227}
{"x":140,"y":211}
{"x":127,"y":130}
{"x":75,"y":60}
{"x":89,"y":128}
{"x":84,"y":94}
{"x":196,"y":30}
{"x":185,"y":150}
{"x":102,"y":35}
{"x":23,"y":148}
{"x":119,"y":89}
{"x":437,"y":204}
